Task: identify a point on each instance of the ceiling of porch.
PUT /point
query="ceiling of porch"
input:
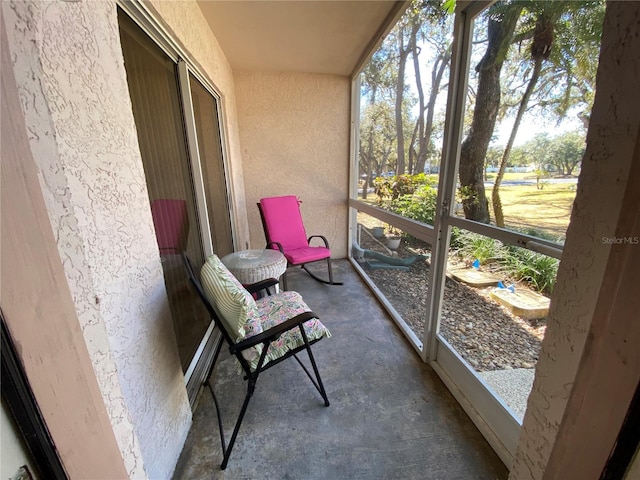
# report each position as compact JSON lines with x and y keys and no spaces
{"x":327,"y":37}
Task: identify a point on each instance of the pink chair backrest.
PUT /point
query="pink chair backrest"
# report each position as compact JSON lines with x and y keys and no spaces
{"x":283,"y":221}
{"x":171,"y":222}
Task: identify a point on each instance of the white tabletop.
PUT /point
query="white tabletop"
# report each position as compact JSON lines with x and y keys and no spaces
{"x":251,"y":266}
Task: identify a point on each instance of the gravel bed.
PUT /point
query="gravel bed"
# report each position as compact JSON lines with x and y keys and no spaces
{"x":482,"y":331}
{"x":512,"y":386}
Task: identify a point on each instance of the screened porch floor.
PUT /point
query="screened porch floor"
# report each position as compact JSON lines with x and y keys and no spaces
{"x":390,"y":416}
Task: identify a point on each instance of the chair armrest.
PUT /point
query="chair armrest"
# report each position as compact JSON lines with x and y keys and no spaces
{"x":324,"y":239}
{"x":277,"y":244}
{"x":261,"y":285}
{"x":273,"y":333}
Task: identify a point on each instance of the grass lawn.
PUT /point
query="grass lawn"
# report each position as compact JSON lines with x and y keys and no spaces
{"x":546,"y":210}
{"x":525,"y":207}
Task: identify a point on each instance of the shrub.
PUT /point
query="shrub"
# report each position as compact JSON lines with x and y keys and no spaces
{"x":455,"y":242}
{"x":420,"y":206}
{"x":411,"y":196}
{"x":478,"y":247}
{"x":402,"y":185}
{"x":534,"y":268}
{"x":382,"y":188}
{"x":398,"y":186}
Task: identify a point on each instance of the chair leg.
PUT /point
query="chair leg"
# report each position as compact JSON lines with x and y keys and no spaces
{"x":252,"y":378}
{"x":319,"y":386}
{"x":330,"y":271}
{"x":321,"y":280}
{"x":215,"y":359}
{"x":213,"y":394}
{"x":227,"y":451}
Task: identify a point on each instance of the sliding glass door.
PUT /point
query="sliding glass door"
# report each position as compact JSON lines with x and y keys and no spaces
{"x":177,"y":122}
{"x":209,"y":143}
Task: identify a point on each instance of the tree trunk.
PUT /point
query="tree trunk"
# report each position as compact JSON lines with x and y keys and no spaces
{"x":401,"y":163}
{"x":420,"y":133}
{"x":495,"y":194}
{"x":474,"y":148}
{"x":365,"y":187}
{"x":412,"y":151}
{"x":436,"y":78}
{"x":540,"y":49}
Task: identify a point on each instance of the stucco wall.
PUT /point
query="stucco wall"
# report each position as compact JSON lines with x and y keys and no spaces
{"x":69,"y":69}
{"x":605,"y":168}
{"x":294,"y":131}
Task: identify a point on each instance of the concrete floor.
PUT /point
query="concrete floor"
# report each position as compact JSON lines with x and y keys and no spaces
{"x":390,"y":415}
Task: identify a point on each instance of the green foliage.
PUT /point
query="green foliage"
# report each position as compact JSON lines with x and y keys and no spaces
{"x":449,"y":6}
{"x":418,"y":201}
{"x":567,"y":79}
{"x":391,"y":188}
{"x":538,"y":270}
{"x":468,"y":195}
{"x":566,"y":152}
{"x":577,"y":36}
{"x":486,"y":250}
{"x":455,"y":241}
{"x":561,"y":153}
{"x":403,"y":185}
{"x":420,"y":205}
{"x":382,"y":188}
{"x":421,"y":39}
{"x":377,"y":139}
{"x":534,"y":268}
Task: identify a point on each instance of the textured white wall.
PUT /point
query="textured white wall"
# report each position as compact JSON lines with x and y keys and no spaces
{"x":69,"y":69}
{"x":611,"y":139}
{"x":294,"y":131}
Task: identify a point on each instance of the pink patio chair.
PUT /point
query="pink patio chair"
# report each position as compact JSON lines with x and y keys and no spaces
{"x":171,"y":223}
{"x":284,"y":231}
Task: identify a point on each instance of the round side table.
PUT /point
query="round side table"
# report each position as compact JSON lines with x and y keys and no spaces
{"x":251,"y":266}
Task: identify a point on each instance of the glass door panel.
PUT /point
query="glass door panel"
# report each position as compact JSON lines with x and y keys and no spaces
{"x":154,"y":92}
{"x":205,"y":114}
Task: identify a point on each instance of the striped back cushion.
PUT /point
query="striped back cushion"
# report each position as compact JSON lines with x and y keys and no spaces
{"x":232,"y":300}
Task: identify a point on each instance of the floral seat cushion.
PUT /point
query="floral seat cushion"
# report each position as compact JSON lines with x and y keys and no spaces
{"x":274,"y":310}
{"x":244,"y":317}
